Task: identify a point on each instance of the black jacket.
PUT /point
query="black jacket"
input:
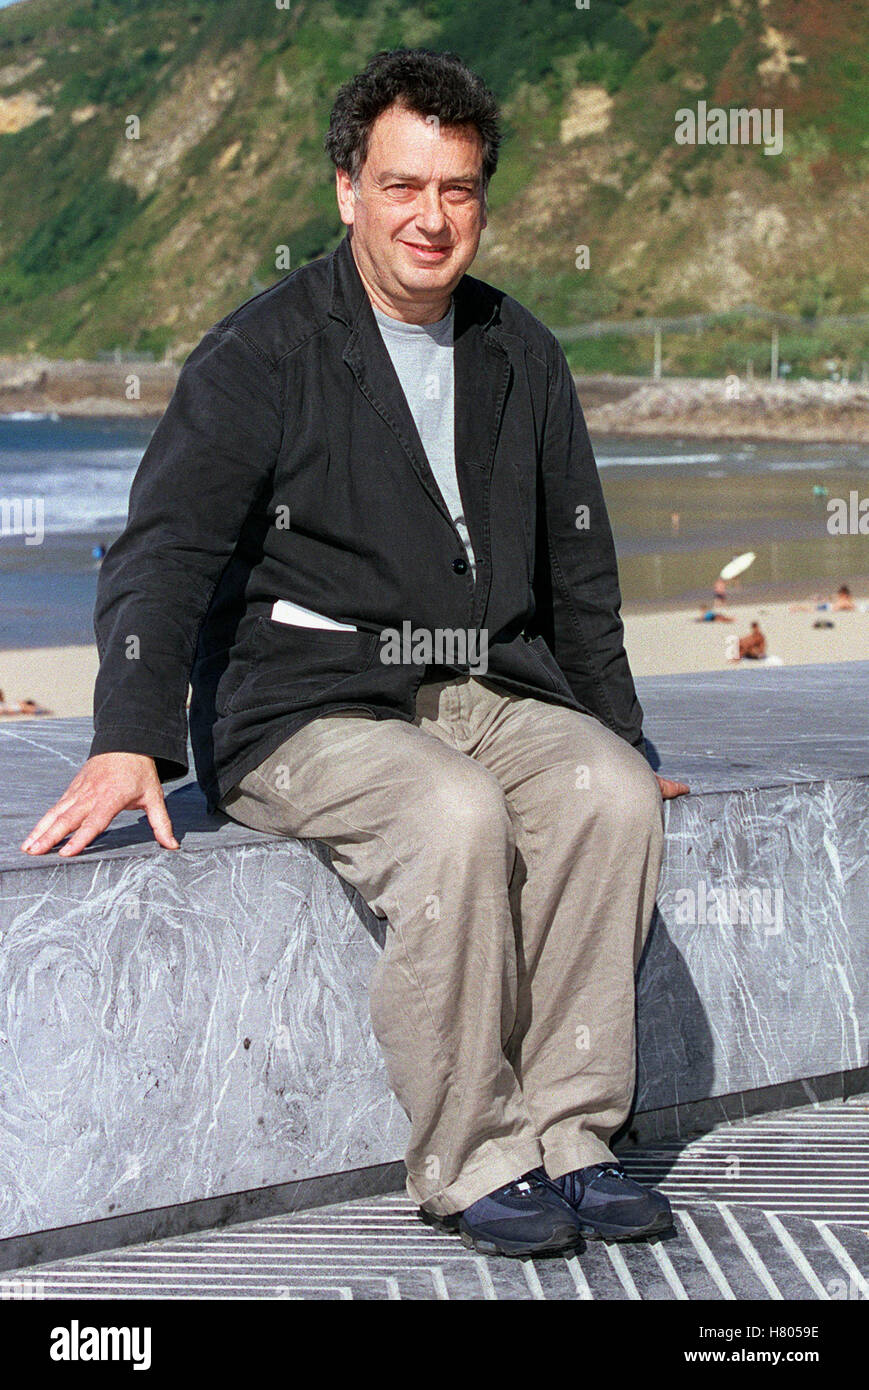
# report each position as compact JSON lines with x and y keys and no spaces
{"x":287,"y":465}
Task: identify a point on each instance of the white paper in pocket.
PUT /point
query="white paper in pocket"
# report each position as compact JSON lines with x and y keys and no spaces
{"x":284,"y":611}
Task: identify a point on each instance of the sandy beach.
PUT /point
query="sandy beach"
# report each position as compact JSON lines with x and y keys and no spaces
{"x":672,"y":642}
{"x":660,"y":642}
{"x":59,"y":678}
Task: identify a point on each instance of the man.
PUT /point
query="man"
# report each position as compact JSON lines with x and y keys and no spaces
{"x":376,"y":455}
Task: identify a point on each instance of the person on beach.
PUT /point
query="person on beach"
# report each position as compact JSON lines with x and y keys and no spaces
{"x":22,"y":707}
{"x":842,"y":602}
{"x":752,"y":647}
{"x":382,"y":446}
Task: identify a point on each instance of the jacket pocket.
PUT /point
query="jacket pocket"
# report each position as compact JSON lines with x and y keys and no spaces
{"x":557,"y":678}
{"x":292,"y":665}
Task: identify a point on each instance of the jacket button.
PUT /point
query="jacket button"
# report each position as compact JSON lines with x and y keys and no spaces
{"x":460,"y":566}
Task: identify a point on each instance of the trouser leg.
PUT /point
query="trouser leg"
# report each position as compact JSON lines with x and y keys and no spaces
{"x":588,"y":819}
{"x":424,"y":834}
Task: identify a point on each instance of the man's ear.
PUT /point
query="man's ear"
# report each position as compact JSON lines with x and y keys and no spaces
{"x":346,"y":197}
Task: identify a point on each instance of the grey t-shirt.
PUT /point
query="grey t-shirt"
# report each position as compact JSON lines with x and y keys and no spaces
{"x":422,"y":354}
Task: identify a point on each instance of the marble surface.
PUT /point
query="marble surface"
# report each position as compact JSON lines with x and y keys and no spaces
{"x":774,"y":984}
{"x":165,"y":1038}
{"x":720,"y":731}
{"x":760,"y":726}
{"x":177,"y":1027}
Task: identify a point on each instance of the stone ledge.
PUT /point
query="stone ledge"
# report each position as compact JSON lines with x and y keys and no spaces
{"x":165,"y":1041}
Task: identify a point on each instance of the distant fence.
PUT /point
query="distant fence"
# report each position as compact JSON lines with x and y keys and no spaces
{"x":693,"y":322}
{"x":655,"y":327}
{"x":651,"y":327}
{"x":122,"y":355}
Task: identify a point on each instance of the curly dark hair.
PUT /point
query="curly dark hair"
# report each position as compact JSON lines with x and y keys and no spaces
{"x":429,"y":83}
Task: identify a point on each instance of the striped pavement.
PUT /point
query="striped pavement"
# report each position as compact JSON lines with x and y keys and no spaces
{"x":773,"y":1208}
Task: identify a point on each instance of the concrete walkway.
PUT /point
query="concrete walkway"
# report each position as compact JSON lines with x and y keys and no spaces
{"x":775,"y":1208}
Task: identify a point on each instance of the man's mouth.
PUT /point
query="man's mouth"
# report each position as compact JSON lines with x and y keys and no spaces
{"x":427,"y":252}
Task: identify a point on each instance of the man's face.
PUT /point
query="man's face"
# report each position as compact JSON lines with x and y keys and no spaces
{"x":418,"y":211}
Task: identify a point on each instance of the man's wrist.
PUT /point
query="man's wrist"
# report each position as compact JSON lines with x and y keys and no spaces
{"x":169,"y":752}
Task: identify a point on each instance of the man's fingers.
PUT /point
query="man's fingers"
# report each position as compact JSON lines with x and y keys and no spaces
{"x":46,"y":823}
{"x":669,"y":788}
{"x":87,"y":824}
{"x":57,"y":829}
{"x":90,"y":827}
{"x":158,"y":817}
{"x":108,"y":783}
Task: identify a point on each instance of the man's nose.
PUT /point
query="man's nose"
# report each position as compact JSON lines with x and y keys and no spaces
{"x":429,"y":211}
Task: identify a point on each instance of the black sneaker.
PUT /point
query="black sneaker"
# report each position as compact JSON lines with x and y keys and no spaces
{"x":611,"y":1206}
{"x":528,"y":1216}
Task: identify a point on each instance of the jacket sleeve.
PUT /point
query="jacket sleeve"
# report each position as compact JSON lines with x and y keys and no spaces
{"x":211,"y":453}
{"x":576,"y":586}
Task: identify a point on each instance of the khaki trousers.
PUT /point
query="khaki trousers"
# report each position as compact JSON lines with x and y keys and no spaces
{"x":514,"y":848}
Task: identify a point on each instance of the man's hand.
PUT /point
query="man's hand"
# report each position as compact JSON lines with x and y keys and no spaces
{"x":670,"y":789}
{"x":108,"y":783}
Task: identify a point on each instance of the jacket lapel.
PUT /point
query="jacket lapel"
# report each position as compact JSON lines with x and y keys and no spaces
{"x":482,"y":379}
{"x":367,"y":357}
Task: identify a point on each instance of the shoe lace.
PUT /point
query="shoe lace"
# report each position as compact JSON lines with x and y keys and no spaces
{"x":536,"y":1179}
{"x":610,"y":1166}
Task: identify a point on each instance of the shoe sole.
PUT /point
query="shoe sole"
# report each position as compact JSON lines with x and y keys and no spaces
{"x":521,"y":1249}
{"x":447,"y":1224}
{"x":450,"y":1225}
{"x":610,"y":1234}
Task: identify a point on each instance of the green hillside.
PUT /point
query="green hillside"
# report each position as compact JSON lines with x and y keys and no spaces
{"x":141,"y":244}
